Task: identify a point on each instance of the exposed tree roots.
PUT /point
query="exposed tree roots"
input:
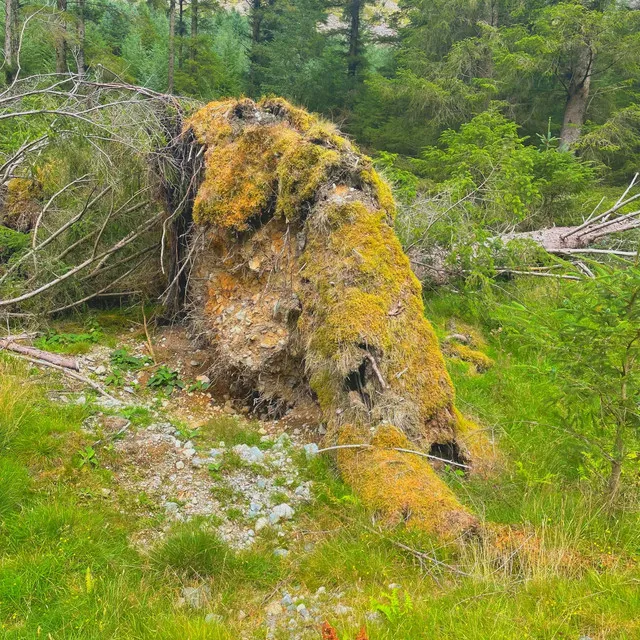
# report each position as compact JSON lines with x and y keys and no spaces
{"x":300,"y":287}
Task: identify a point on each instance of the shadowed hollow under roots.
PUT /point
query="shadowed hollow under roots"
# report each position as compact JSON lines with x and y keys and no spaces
{"x":302,"y":290}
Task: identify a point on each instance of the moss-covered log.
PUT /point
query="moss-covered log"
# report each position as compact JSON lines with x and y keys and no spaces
{"x":306,"y":298}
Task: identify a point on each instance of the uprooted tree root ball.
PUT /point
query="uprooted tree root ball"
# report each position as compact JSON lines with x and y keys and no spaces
{"x":304,"y":294}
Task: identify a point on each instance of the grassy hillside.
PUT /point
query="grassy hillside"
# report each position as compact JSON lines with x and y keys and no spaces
{"x":83,"y":554}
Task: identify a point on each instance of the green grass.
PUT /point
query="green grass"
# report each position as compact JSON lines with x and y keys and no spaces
{"x":231,"y":431}
{"x":68,"y":571}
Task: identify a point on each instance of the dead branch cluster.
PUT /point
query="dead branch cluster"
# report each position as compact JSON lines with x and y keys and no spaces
{"x":602,"y":234}
{"x":101,"y":232}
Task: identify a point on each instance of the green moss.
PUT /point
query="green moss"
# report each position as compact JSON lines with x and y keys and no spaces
{"x":380,"y":190}
{"x":364,"y":293}
{"x":301,"y":172}
{"x":353,"y":317}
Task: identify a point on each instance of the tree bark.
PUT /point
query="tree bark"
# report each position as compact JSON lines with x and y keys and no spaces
{"x":180,"y":32}
{"x":10,"y":19}
{"x":354,"y":61}
{"x":577,"y":99}
{"x":172,"y":45}
{"x":81,"y":34}
{"x":61,"y":39}
{"x":194,"y":28}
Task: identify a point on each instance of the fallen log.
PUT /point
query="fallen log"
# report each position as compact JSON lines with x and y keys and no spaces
{"x":68,"y":372}
{"x":53,"y":358}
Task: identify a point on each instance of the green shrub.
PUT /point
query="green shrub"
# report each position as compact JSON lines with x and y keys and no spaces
{"x":11,"y":242}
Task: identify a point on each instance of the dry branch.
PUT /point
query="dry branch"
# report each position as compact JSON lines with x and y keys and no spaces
{"x":62,"y":361}
{"x":400,"y":449}
{"x":102,"y":258}
{"x":68,"y":372}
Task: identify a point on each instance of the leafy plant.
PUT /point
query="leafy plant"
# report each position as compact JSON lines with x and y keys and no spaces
{"x":115,"y":378}
{"x":124,"y":360}
{"x":198,"y":385}
{"x":88,"y":457}
{"x":392,"y":607}
{"x":166,"y":379}
{"x":186,"y":433}
{"x":70,"y":342}
{"x":11,"y":243}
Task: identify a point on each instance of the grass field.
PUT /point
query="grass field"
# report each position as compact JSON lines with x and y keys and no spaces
{"x":567,"y":570}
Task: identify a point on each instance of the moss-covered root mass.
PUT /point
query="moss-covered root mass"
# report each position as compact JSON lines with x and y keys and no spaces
{"x":292,"y":211}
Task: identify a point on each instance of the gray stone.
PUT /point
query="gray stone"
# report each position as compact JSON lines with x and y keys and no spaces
{"x":303,"y":611}
{"x":281,"y":512}
{"x":213,"y":618}
{"x":342,"y":610}
{"x":286,"y":600}
{"x":171,"y":507}
{"x":196,"y":597}
{"x":101,"y":370}
{"x":280,"y":552}
{"x":179,"y":465}
{"x":261,"y":523}
{"x":252,"y":455}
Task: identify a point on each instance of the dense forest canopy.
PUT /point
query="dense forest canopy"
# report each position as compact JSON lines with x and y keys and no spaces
{"x":397,"y":76}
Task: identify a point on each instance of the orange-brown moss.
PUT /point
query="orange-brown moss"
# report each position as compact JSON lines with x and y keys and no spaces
{"x":240,"y":177}
{"x":401,"y":486}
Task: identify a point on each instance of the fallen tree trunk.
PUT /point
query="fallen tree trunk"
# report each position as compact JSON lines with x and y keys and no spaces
{"x":436,"y":264}
{"x":53,"y":358}
{"x":300,"y":288}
